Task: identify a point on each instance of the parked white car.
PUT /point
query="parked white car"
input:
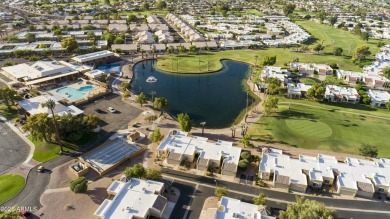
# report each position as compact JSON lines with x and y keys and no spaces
{"x":111,"y":109}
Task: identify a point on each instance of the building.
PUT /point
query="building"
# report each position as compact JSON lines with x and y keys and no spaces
{"x":334,"y":93}
{"x":297,"y":90}
{"x":353,"y":177}
{"x":96,"y":57}
{"x":234,"y":208}
{"x":36,"y":105}
{"x":378,"y":97}
{"x":110,"y":154}
{"x":36,"y":70}
{"x":134,"y":199}
{"x":178,"y":147}
{"x":275,"y":72}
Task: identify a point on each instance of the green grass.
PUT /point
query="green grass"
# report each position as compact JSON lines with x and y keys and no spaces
{"x":334,"y":37}
{"x":312,"y":128}
{"x":45,"y":151}
{"x":10,"y":185}
{"x":8,"y":113}
{"x":190,"y":63}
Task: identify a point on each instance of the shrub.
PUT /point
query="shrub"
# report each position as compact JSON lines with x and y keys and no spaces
{"x":150,"y":118}
{"x":126,"y":94}
{"x":245,"y":155}
{"x":79,"y":185}
{"x":243,"y":164}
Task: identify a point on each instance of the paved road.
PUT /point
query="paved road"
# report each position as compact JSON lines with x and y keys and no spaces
{"x":37,"y":182}
{"x":36,"y":185}
{"x":344,"y":208}
{"x":13,"y":150}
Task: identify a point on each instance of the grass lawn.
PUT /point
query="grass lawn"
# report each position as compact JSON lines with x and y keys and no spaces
{"x":313,"y":128}
{"x":45,"y":151}
{"x":190,"y":63}
{"x":8,"y":113}
{"x":10,"y":185}
{"x":333,"y":37}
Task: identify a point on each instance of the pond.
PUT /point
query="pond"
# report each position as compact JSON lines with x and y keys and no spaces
{"x":215,"y":98}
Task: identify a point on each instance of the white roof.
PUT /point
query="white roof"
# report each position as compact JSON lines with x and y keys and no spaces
{"x":132,"y":200}
{"x":180,"y":143}
{"x":37,"y":69}
{"x":379,"y":95}
{"x":234,"y":208}
{"x":93,"y":56}
{"x":96,"y":73}
{"x":35,"y":105}
{"x":351,"y":172}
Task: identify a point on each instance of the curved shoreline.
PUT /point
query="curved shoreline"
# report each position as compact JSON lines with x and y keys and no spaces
{"x":240,"y":117}
{"x":202,"y":72}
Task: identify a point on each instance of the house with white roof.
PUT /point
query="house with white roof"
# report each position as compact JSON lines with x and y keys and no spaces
{"x":234,"y":208}
{"x":178,"y":147}
{"x":37,"y":105}
{"x":354,"y":177}
{"x":334,"y":93}
{"x":133,"y":199}
{"x":276,"y":166}
{"x":304,"y":69}
{"x":145,"y":37}
{"x":371,"y":80}
{"x":297,"y":90}
{"x":275,"y":72}
{"x":378,"y":97}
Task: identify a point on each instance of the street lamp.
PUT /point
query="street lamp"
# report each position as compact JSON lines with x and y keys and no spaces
{"x":202,"y":124}
{"x":247,"y":102}
{"x":153,"y":93}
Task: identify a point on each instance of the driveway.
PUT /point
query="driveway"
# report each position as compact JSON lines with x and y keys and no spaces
{"x":13,"y":150}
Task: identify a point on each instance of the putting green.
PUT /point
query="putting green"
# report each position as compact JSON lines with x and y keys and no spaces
{"x":310,"y":129}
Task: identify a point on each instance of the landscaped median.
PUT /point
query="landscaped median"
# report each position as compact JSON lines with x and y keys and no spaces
{"x":10,"y":185}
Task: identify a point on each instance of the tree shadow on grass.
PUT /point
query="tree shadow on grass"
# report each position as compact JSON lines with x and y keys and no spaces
{"x":349,"y":106}
{"x":310,"y":41}
{"x":295,"y":114}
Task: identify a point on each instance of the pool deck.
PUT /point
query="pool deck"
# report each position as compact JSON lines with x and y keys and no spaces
{"x":76,"y":85}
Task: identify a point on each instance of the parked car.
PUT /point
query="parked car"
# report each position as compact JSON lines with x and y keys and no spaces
{"x":111,"y":109}
{"x":26,"y":214}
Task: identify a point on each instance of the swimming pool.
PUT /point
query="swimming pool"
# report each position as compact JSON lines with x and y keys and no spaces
{"x":110,"y":68}
{"x":73,"y":93}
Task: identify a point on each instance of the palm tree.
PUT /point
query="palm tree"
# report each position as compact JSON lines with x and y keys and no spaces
{"x":51,"y":104}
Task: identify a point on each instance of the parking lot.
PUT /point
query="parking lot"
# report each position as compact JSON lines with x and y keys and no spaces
{"x":111,"y":122}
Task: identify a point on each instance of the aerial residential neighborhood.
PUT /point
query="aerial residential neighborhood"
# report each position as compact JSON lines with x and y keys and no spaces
{"x":114,"y":109}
